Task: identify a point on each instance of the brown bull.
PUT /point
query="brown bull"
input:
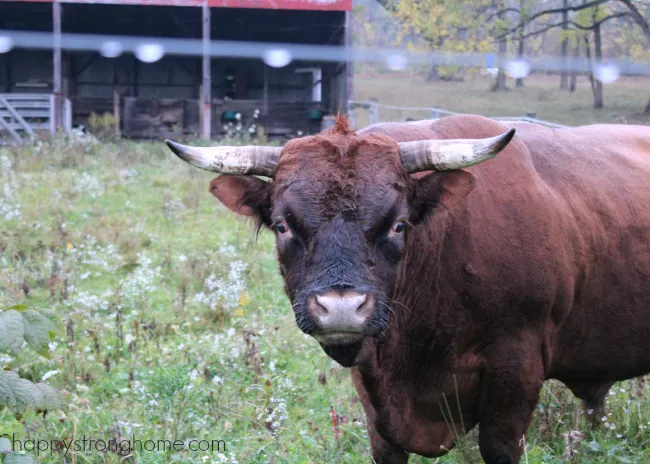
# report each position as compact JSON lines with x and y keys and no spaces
{"x":454,"y":293}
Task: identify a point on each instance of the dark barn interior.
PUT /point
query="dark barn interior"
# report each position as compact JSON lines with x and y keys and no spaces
{"x":163,"y":98}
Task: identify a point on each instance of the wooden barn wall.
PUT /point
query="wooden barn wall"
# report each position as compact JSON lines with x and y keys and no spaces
{"x":179,"y":77}
{"x":26,"y":71}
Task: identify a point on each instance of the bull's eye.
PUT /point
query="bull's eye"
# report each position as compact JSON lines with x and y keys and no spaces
{"x":281,"y":228}
{"x":399,"y":227}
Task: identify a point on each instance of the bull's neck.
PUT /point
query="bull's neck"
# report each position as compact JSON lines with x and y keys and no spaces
{"x":420,"y":324}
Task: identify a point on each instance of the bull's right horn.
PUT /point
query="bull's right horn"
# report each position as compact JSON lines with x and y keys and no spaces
{"x":446,"y":155}
{"x":245,"y":160}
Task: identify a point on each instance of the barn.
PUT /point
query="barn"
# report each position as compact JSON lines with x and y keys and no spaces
{"x":179,"y":95}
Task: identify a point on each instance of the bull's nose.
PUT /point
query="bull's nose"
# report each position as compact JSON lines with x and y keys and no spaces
{"x":335,"y":304}
{"x":338,"y":312}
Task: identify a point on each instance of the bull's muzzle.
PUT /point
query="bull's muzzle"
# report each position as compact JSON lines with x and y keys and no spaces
{"x":341,"y":316}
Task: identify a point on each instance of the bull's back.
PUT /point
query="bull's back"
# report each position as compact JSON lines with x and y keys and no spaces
{"x":600,"y":177}
{"x":559,"y":221}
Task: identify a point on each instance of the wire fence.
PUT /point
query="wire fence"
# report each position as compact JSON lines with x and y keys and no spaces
{"x":150,"y":49}
{"x":362,"y":113}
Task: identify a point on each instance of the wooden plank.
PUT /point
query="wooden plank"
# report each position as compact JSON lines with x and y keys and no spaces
{"x":35,"y":126}
{"x":39,"y":113}
{"x":152,"y":118}
{"x":10,"y":129}
{"x":26,"y":96}
{"x":15,"y":115}
{"x":27,"y":105}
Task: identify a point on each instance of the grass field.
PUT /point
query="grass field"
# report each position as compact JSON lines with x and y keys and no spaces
{"x":174,"y":325}
{"x":624,"y":99}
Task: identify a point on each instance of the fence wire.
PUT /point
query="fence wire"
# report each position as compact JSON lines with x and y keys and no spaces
{"x":151,"y":49}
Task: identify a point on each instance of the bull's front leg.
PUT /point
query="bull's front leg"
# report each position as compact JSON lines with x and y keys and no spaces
{"x":510,"y":393}
{"x":382,"y":451}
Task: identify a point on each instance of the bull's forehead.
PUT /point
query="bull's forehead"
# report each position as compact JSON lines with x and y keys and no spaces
{"x":369,"y":158}
{"x":319,"y":202}
{"x":359,"y":180}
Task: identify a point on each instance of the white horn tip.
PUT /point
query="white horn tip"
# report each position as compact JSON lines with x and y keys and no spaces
{"x":175,"y":147}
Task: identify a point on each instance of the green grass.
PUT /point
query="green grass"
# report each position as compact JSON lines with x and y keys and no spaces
{"x":174,"y":324}
{"x":624,"y":99}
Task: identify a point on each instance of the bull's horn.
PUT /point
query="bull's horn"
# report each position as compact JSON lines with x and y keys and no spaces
{"x":446,"y":155}
{"x":245,"y":160}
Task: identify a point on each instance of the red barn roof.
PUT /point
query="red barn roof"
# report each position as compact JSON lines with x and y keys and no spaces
{"x":325,"y":5}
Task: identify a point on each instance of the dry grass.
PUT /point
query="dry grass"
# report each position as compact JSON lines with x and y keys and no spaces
{"x":624,"y":99}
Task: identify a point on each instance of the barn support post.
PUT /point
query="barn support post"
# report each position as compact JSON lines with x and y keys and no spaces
{"x":349,"y":70}
{"x":8,"y":76}
{"x":116,"y":112}
{"x":206,"y":100}
{"x":265,"y":96}
{"x":56,"y":90}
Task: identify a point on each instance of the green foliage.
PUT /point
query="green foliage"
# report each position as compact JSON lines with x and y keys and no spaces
{"x":102,"y":125}
{"x":445,"y":25}
{"x":19,"y":394}
{"x":18,"y":326}
{"x":21,"y":326}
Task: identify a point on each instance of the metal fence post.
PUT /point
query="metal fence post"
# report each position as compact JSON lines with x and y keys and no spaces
{"x":351,"y":114}
{"x":373,"y":110}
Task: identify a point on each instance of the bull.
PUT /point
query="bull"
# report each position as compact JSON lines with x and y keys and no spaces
{"x":444,"y":274}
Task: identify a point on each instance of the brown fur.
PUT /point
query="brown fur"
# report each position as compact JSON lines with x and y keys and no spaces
{"x":542,"y":271}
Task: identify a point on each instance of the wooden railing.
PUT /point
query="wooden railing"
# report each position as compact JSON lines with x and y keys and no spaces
{"x":24,"y":114}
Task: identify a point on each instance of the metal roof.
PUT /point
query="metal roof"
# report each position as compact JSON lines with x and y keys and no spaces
{"x":324,"y":5}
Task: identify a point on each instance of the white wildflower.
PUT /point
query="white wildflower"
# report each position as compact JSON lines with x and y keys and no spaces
{"x":48,"y":374}
{"x":87,"y":185}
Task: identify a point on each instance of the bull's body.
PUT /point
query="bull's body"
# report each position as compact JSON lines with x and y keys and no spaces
{"x":455,"y":294}
{"x":542,"y":272}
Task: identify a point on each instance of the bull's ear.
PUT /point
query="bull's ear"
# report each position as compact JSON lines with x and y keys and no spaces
{"x":245,"y":195}
{"x":440,"y":191}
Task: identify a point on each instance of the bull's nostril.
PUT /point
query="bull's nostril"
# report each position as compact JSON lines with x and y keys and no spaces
{"x":336,"y":304}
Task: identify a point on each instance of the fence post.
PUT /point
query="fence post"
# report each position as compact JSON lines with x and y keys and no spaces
{"x":374,"y":112}
{"x":351,"y":114}
{"x":67,"y":115}
{"x":52,"y":121}
{"x":435,"y":114}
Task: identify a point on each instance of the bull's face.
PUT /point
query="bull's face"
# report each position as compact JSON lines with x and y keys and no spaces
{"x":341,"y":208}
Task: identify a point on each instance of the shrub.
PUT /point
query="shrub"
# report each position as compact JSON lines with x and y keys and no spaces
{"x":20,"y":326}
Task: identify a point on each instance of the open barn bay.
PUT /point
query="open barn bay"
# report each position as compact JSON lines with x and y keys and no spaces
{"x":173,"y":326}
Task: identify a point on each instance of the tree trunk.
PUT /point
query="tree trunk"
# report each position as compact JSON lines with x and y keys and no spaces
{"x":590,"y":72}
{"x":520,"y":54}
{"x":598,"y":53}
{"x":434,"y":75}
{"x":564,"y":75}
{"x":520,"y":50}
{"x":500,"y":83}
{"x":574,"y":74}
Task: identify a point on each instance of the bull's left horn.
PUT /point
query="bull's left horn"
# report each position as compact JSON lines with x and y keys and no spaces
{"x":447,"y":155}
{"x":245,"y":160}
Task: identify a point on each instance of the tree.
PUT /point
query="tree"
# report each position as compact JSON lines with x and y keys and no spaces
{"x":639,"y":11}
{"x":564,"y":76}
{"x":444,"y":25}
{"x":592,"y":21}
